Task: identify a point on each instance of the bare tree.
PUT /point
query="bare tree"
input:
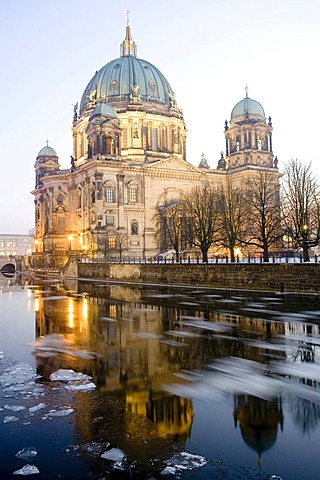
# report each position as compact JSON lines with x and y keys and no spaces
{"x":111,"y":242}
{"x":169,"y":220}
{"x":121,"y":243}
{"x":301,"y":206}
{"x":263,"y":219}
{"x":232,"y":214}
{"x":200,"y":206}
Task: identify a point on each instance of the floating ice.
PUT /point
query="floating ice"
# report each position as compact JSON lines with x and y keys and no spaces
{"x":1,"y":355}
{"x":27,"y":453}
{"x":36,"y":408}
{"x":77,"y":386}
{"x":114,"y":455}
{"x":56,"y":343}
{"x":17,"y":374}
{"x":183,"y":461}
{"x":94,"y":448}
{"x":27,"y":470}
{"x":60,"y":413}
{"x":10,"y":419}
{"x":57,"y":297}
{"x":65,"y":375}
{"x":76,"y":381}
{"x":19,"y":380}
{"x":14,"y":408}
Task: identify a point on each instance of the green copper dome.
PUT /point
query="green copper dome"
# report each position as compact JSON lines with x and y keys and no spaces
{"x":104,"y":110}
{"x":128,"y":79}
{"x":247,"y":106}
{"x":47,"y":152}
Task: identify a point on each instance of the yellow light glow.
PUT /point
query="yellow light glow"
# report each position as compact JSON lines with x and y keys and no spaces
{"x":70,"y":314}
{"x":85,"y":308}
{"x":36,"y":304}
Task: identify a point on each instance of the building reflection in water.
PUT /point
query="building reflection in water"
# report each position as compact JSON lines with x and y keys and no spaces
{"x":258,"y":420}
{"x":131,"y":343}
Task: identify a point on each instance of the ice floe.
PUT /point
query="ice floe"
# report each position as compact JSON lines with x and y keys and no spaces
{"x":55,"y":343}
{"x":114,"y":455}
{"x":76,"y":381}
{"x":19,"y":380}
{"x":183,"y":461}
{"x":66,"y":375}
{"x":94,"y":448}
{"x":36,"y":408}
{"x":14,"y":408}
{"x":9,"y":419}
{"x":27,"y":470}
{"x":26,"y":453}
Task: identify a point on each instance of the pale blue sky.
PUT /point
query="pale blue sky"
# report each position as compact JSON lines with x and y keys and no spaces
{"x":208,"y":50}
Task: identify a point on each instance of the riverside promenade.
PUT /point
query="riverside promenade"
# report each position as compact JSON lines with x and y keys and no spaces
{"x":276,"y":277}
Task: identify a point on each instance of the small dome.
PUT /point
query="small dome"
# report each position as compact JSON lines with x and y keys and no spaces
{"x":47,"y":152}
{"x":247,"y":106}
{"x":104,"y":110}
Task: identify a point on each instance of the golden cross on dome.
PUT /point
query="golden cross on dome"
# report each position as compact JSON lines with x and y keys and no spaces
{"x":128,"y":19}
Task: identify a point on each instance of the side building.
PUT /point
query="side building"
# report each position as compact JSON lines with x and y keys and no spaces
{"x":129,"y":159}
{"x":12,"y":245}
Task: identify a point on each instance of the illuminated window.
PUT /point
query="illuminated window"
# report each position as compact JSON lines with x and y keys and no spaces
{"x":110,"y":196}
{"x":133,"y":194}
{"x":112,"y":242}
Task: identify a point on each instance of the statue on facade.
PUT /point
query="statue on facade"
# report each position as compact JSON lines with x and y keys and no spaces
{"x":72,"y":161}
{"x":92,"y":97}
{"x":173,"y":100}
{"x":75,"y":112}
{"x":135,"y":96}
{"x":203,"y":162}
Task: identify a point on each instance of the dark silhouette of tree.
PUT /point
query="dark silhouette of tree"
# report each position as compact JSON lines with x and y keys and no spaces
{"x":200,"y":207}
{"x":169,"y":224}
{"x":301,"y":206}
{"x":232,"y":215}
{"x":110,"y":243}
{"x":263,"y":219}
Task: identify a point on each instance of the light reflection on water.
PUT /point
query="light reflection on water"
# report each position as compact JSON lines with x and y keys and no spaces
{"x":229,"y":376}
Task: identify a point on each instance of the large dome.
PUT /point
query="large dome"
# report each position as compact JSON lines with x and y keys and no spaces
{"x":125,"y":79}
{"x":247,"y":106}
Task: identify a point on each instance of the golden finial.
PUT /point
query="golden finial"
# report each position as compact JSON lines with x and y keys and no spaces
{"x":128,"y":18}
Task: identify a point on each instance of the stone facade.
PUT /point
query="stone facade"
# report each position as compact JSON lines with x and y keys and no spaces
{"x":129,"y":158}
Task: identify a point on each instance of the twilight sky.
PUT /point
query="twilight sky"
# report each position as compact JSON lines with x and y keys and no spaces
{"x":208,"y":50}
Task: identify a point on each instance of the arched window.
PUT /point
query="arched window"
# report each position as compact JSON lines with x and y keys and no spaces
{"x":110,"y":193}
{"x":134,"y":227}
{"x":132,"y":192}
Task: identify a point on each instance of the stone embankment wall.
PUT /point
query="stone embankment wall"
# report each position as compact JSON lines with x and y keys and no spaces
{"x":276,"y":277}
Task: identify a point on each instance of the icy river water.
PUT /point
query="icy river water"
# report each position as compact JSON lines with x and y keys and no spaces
{"x":104,"y":380}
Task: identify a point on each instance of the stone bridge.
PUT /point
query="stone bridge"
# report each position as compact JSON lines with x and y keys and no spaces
{"x":8,"y":267}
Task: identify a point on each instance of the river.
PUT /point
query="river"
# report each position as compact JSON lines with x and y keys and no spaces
{"x":111,"y":380}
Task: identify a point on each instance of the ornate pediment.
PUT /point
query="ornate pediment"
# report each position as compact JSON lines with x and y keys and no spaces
{"x":173,"y":164}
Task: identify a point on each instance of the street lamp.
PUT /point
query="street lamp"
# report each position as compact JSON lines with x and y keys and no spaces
{"x":70,"y":237}
{"x":305,"y":243}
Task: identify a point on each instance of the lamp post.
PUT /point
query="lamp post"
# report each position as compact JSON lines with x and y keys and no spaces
{"x":70,"y":237}
{"x":305,"y":243}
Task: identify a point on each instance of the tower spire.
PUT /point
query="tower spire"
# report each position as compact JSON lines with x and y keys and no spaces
{"x":128,"y":47}
{"x":246,"y":89}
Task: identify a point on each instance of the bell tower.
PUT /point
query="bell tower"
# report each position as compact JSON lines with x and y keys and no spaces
{"x":248,"y":136}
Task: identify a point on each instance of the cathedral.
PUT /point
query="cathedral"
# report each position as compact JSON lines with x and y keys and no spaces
{"x":129,"y":158}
